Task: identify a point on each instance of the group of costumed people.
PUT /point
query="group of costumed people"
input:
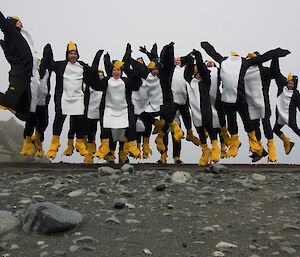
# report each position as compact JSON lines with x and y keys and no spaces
{"x":133,"y":96}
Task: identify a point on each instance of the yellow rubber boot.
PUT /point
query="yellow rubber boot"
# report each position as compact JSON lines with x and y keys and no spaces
{"x":215,"y":153}
{"x":159,"y":124}
{"x":126,"y":146}
{"x":177,"y":160}
{"x":234,"y":147}
{"x":103,"y":150}
{"x":111,"y":158}
{"x":146,"y":148}
{"x":205,"y":155}
{"x":51,"y":154}
{"x":191,"y":137}
{"x":223,"y":151}
{"x":288,"y":145}
{"x":70,"y":148}
{"x":133,"y":150}
{"x":178,"y":134}
{"x":163,"y":158}
{"x":36,"y":140}
{"x":27,"y":149}
{"x":224,"y":134}
{"x":81,"y":147}
{"x":88,"y":158}
{"x":272,"y":151}
{"x":123,"y":157}
{"x":253,"y":143}
{"x":160,"y":142}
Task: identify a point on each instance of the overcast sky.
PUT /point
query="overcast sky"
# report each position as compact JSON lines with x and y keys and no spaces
{"x":232,"y":25}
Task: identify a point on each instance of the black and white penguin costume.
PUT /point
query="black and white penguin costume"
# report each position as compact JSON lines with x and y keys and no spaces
{"x":287,"y":103}
{"x":117,"y":103}
{"x":199,"y":96}
{"x":19,"y":51}
{"x":234,"y":95}
{"x":257,"y":84}
{"x":70,"y":90}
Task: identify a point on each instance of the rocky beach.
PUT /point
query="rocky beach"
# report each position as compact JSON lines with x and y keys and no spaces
{"x":149,"y":210}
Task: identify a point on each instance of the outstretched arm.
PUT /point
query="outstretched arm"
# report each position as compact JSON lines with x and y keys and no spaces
{"x":189,"y":70}
{"x":278,"y":52}
{"x":202,"y":69}
{"x":279,"y":78}
{"x":149,"y":54}
{"x":210,"y":50}
{"x":167,"y":57}
{"x":48,"y":58}
{"x":107,"y":65}
{"x":96,"y":60}
{"x":5,"y":26}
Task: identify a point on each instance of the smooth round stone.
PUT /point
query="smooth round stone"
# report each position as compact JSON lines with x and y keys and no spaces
{"x":119,"y":205}
{"x":160,"y":187}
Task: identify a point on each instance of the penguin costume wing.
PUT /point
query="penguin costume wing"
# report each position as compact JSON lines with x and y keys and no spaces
{"x":278,"y":52}
{"x":189,"y":71}
{"x":108,"y":66}
{"x":279,"y":78}
{"x":7,"y":25}
{"x":167,"y":58}
{"x":210,"y":50}
{"x":202,"y":68}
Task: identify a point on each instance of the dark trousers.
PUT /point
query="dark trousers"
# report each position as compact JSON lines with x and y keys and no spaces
{"x":18,"y":94}
{"x":185,"y":114}
{"x":231,"y":110}
{"x":277,"y":129}
{"x":38,"y":121}
{"x":76,"y":125}
{"x":268,"y":131}
{"x":148,"y":118}
{"x":176,"y":145}
{"x":212,"y":133}
{"x":91,"y":129}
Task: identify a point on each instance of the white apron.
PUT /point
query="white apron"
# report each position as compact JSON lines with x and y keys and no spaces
{"x":178,"y":86}
{"x":194,"y":100}
{"x":283,"y":106}
{"x":139,"y":98}
{"x":254,"y":93}
{"x":35,"y":79}
{"x":72,"y":100}
{"x":230,"y":72}
{"x":213,"y":96}
{"x":154,"y":94}
{"x":116,"y":111}
{"x":94,"y":104}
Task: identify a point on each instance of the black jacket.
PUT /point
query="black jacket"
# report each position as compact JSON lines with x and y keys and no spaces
{"x":16,"y":48}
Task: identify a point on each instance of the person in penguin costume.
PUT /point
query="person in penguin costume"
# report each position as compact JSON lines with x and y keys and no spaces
{"x":39,"y":119}
{"x":288,"y":100}
{"x":167,"y":109}
{"x":118,"y":115}
{"x":69,"y":97}
{"x":257,"y":85}
{"x":218,"y":118}
{"x":159,"y":101}
{"x":20,"y":52}
{"x":180,"y":96}
{"x":199,"y":82}
{"x":232,"y":72}
{"x":93,"y":116}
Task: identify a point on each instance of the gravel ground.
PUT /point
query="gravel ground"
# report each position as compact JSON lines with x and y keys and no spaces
{"x":247,"y":210}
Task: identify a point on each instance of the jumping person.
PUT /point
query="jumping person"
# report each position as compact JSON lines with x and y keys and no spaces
{"x":288,"y":100}
{"x":232,"y":72}
{"x":69,"y":97}
{"x":19,"y":51}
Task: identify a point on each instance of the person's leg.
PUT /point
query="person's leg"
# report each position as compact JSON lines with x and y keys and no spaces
{"x":27,"y":148}
{"x":255,"y":147}
{"x":288,"y":145}
{"x":57,"y":129}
